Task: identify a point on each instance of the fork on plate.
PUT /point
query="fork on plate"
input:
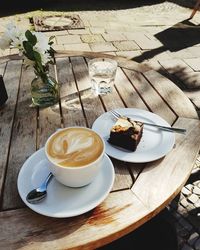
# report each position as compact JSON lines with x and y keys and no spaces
{"x":117,"y":115}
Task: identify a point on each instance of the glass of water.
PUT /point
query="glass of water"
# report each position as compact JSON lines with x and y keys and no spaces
{"x":102,"y":73}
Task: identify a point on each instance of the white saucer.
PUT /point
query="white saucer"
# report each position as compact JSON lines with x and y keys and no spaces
{"x":155,"y":143}
{"x":62,"y":201}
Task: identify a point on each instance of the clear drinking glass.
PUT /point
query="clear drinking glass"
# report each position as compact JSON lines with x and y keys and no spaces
{"x":102,"y":72}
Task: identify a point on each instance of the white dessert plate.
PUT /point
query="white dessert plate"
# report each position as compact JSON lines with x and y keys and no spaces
{"x":155,"y":143}
{"x":62,"y":201}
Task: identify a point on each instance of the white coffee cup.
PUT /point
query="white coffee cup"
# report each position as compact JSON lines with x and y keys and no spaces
{"x":75,"y":155}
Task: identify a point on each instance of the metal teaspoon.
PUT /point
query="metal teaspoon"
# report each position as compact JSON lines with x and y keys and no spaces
{"x":39,"y":193}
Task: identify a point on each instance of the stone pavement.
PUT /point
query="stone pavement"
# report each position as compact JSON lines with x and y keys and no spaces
{"x":161,"y":36}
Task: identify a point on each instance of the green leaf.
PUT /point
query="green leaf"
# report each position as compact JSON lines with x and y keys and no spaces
{"x":30,"y":37}
{"x":38,"y":61}
{"x":28,"y":50}
{"x":37,"y":57}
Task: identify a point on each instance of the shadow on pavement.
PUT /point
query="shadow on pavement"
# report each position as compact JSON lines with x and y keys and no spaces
{"x":9,"y":7}
{"x":20,"y":6}
{"x":182,"y":35}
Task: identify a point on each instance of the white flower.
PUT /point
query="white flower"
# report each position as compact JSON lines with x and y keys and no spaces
{"x":42,"y":44}
{"x":15,"y":35}
{"x":45,"y":58}
{"x":13,"y":32}
{"x":17,"y":43}
{"x":28,"y":46}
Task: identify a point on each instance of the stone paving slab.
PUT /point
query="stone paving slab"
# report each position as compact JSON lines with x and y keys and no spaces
{"x":95,"y":38}
{"x":111,"y":37}
{"x":103,"y":47}
{"x":77,"y":47}
{"x":126,"y":45}
{"x":68,"y":39}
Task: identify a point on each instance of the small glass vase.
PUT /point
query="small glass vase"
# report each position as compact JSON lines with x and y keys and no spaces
{"x":44,"y":90}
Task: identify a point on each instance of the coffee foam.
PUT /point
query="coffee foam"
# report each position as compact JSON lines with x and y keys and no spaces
{"x":74,"y":147}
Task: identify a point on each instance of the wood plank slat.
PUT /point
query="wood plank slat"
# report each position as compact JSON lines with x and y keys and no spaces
{"x":151,"y":97}
{"x":174,"y":168}
{"x":194,"y":96}
{"x":182,"y":72}
{"x":92,"y":105}
{"x":72,"y":112}
{"x":194,"y":63}
{"x":49,"y":119}
{"x":112,"y":100}
{"x":127,"y":92}
{"x":125,"y":174}
{"x":7,"y":112}
{"x":123,"y":179}
{"x":174,"y":97}
{"x":135,"y":169}
{"x":23,"y":142}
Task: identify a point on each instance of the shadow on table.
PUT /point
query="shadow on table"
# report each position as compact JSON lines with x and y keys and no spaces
{"x":182,"y":35}
{"x":157,"y":234}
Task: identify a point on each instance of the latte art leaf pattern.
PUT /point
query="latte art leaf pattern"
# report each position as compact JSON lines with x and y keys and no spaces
{"x":74,"y":147}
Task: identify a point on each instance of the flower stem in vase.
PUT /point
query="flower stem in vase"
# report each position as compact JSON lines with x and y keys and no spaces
{"x":44,"y":90}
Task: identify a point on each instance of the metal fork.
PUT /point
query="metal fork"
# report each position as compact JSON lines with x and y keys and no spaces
{"x":176,"y":130}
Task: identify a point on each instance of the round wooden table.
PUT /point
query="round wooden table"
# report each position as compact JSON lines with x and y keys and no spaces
{"x":140,"y":190}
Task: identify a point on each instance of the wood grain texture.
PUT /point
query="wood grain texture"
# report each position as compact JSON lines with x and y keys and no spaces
{"x":123,"y":179}
{"x":173,"y":96}
{"x":135,"y":169}
{"x":162,"y":180}
{"x":72,"y":113}
{"x":185,"y":75}
{"x":128,"y":94}
{"x":92,"y":106}
{"x":151,"y":98}
{"x":23,"y":142}
{"x":140,"y":191}
{"x":105,"y":223}
{"x":49,"y":119}
{"x":7,"y":112}
{"x":112,"y":101}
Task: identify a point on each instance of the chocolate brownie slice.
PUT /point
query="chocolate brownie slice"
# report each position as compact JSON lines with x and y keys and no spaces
{"x":126,"y":133}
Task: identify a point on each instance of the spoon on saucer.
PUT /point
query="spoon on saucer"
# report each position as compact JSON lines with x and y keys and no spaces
{"x":39,"y":193}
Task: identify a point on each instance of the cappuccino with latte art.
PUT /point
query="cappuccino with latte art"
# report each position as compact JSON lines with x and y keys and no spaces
{"x":74,"y":147}
{"x":75,"y":155}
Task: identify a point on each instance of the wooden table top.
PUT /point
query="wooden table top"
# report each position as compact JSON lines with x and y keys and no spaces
{"x":140,"y":191}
